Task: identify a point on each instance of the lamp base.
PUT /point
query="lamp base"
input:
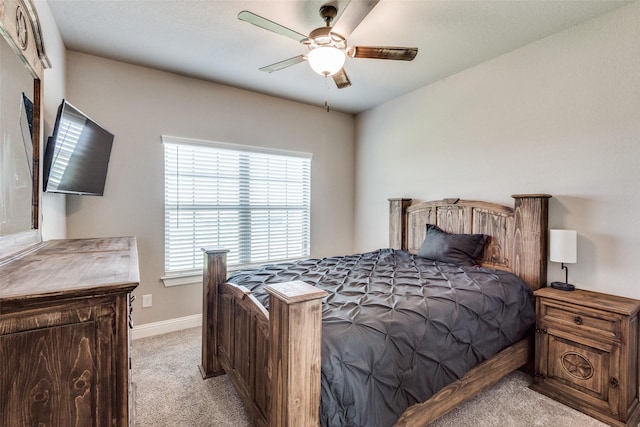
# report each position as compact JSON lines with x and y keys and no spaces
{"x":563,"y":286}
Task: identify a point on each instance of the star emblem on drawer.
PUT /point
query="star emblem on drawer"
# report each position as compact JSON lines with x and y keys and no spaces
{"x":577,"y":365}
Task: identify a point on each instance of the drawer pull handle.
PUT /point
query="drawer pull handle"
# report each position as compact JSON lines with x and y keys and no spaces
{"x":577,"y":320}
{"x":613,"y":382}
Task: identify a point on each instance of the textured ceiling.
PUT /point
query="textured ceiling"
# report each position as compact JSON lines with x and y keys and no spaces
{"x":204,"y":39}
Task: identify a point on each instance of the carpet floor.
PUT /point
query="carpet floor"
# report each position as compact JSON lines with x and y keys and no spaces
{"x":170,"y":392}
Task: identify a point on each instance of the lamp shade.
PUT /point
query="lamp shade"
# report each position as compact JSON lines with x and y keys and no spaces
{"x":563,"y":245}
{"x":326,"y":60}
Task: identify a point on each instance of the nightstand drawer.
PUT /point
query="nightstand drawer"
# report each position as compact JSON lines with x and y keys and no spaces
{"x":579,"y":320}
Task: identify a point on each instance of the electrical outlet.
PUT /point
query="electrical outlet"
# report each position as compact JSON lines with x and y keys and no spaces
{"x":147,"y":301}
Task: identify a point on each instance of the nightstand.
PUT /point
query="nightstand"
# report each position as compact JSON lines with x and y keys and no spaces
{"x":587,"y":353}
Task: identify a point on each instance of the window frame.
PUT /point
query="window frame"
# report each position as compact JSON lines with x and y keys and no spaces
{"x":185,"y":277}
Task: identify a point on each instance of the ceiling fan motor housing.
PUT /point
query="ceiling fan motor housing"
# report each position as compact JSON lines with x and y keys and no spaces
{"x":324,"y":37}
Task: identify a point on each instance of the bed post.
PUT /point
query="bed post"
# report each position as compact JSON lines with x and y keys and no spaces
{"x":398,"y":223}
{"x":215,"y":273}
{"x":530,"y":247}
{"x":295,"y":329}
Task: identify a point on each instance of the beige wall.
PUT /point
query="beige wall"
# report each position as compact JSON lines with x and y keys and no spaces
{"x":560,"y":116}
{"x":139,"y":105}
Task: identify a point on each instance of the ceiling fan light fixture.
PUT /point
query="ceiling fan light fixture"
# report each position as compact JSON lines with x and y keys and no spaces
{"x":326,"y":60}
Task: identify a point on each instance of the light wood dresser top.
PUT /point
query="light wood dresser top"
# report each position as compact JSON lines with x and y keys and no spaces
{"x":67,"y":268}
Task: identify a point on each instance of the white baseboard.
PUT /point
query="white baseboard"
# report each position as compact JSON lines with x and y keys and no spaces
{"x":166,"y":326}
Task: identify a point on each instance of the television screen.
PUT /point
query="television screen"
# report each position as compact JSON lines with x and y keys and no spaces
{"x":77,"y":154}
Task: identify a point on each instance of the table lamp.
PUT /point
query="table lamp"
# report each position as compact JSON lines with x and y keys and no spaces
{"x":563,"y":248}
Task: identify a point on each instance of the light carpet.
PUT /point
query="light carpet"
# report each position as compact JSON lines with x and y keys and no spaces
{"x":170,"y":392}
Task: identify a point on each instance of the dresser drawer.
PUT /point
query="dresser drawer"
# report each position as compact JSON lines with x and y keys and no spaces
{"x":579,"y":320}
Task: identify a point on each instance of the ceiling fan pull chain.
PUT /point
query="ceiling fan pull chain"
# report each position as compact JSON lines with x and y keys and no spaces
{"x":326,"y":98}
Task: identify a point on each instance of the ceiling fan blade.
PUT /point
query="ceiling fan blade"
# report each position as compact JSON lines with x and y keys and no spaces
{"x":341,"y":79}
{"x":383,"y":52}
{"x":261,"y":22}
{"x":352,"y":16}
{"x":284,"y":64}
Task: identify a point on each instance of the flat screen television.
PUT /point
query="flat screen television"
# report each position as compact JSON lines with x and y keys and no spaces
{"x":76,"y":158}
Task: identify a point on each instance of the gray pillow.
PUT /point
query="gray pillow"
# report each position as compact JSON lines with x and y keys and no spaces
{"x":460,"y":249}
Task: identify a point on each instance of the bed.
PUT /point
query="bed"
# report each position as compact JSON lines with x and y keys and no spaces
{"x":288,"y":334}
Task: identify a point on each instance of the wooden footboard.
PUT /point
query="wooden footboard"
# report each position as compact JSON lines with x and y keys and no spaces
{"x":272,"y":358}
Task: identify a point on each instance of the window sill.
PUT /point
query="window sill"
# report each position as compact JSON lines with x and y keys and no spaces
{"x":188,"y":278}
{"x":182,"y":279}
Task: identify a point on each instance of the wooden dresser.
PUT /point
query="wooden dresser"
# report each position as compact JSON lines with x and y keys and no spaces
{"x":64,"y":333}
{"x":587,"y":353}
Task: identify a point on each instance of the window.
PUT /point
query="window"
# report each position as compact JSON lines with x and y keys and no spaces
{"x":252,"y":201}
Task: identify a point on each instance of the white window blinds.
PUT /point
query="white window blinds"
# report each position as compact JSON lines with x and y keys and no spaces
{"x":253,"y":202}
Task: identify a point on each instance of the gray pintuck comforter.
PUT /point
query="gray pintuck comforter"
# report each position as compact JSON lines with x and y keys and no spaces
{"x":397,"y":328}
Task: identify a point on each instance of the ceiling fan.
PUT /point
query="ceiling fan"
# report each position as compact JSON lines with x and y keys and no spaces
{"x":327,"y":45}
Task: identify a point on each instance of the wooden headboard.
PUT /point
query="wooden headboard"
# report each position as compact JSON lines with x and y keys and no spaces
{"x":517,"y":235}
